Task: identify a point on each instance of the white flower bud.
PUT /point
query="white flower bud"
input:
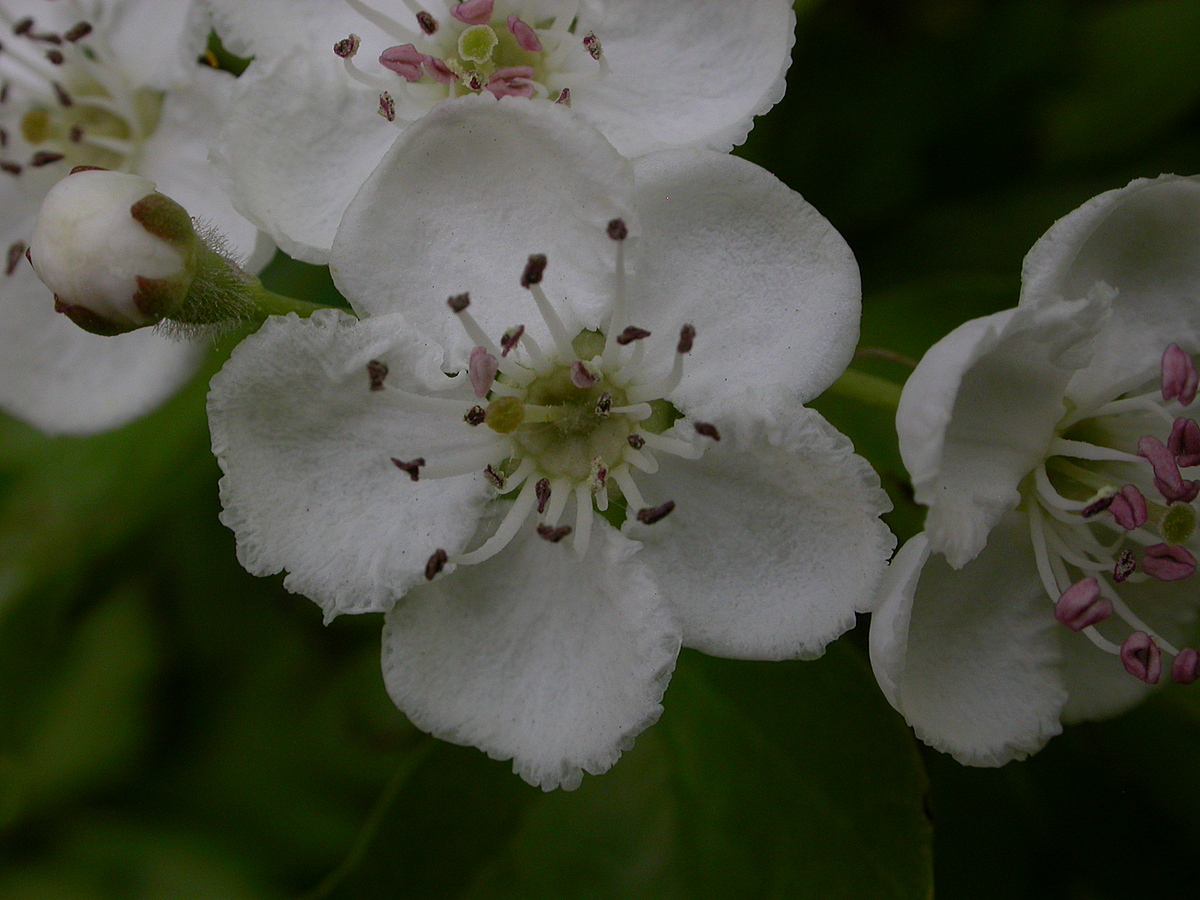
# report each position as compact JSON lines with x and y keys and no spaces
{"x":116,"y":254}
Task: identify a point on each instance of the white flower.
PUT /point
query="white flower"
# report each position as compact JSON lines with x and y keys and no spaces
{"x":650,"y":74}
{"x":117,"y":255}
{"x":98,"y":84}
{"x":1047,"y":441}
{"x":478,"y":510}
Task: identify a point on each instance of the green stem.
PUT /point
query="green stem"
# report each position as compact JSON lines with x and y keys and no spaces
{"x":268,"y":303}
{"x":869,"y":390}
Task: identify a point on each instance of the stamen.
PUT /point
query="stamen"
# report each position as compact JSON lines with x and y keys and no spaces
{"x":674,"y":446}
{"x":1141,"y":657}
{"x":60,"y":93}
{"x":553,"y":535}
{"x":1125,"y":566}
{"x":591,"y":43}
{"x":405,"y":60}
{"x":482,"y":370}
{"x":617,"y":231}
{"x":637,"y":412}
{"x":543,"y":494}
{"x":583,"y":520}
{"x":427,"y":22}
{"x":77,"y":32}
{"x":347,"y":47}
{"x":633,"y":497}
{"x":1096,"y":506}
{"x":383,"y":22}
{"x":1168,"y":563}
{"x":507,"y":529}
{"x":510,"y":339}
{"x":473,"y":12}
{"x":413,"y":468}
{"x":636,"y":441}
{"x":564,"y":97}
{"x":1186,"y":668}
{"x":435,"y":564}
{"x":387,"y":106}
{"x":1179,"y":376}
{"x":494,"y":478}
{"x":376,"y":372}
{"x":708,"y":430}
{"x":526,"y":37}
{"x":640,"y":392}
{"x":655,"y":514}
{"x":1167,"y":479}
{"x":15,"y":252}
{"x":604,"y":405}
{"x":1080,"y":606}
{"x":584,"y":375}
{"x":1128,"y":507}
{"x":531,"y":280}
{"x":561,"y":491}
{"x":476,"y":415}
{"x":1184,"y":442}
{"x":44,"y":158}
{"x":1081,"y":450}
{"x":631,"y":334}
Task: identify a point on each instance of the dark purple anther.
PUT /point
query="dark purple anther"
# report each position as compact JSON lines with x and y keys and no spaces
{"x":1168,"y":563}
{"x":11,"y":168}
{"x":44,"y":158}
{"x":651,"y":514}
{"x":459,"y":302}
{"x":77,"y":32}
{"x":708,"y":430}
{"x":413,"y":468}
{"x":476,"y":415}
{"x":618,"y":230}
{"x":510,"y":339}
{"x":427,"y":22}
{"x":436,"y":563}
{"x":542,"y":491}
{"x":1097,"y":506}
{"x":60,"y":94}
{"x":553,"y":535}
{"x":535,"y":268}
{"x":55,"y":56}
{"x":1081,"y":605}
{"x":377,"y":372}
{"x":494,"y":478}
{"x":687,"y":334}
{"x":15,"y":252}
{"x":1184,"y":442}
{"x":1186,"y":668}
{"x":347,"y":46}
{"x":1167,"y":479}
{"x":583,"y":375}
{"x":526,"y":37}
{"x":1179,"y":376}
{"x":636,"y":441}
{"x":473,"y":12}
{"x":387,"y":106}
{"x":23,"y":26}
{"x":1141,"y":657}
{"x":604,"y":404}
{"x":631,"y":334}
{"x":564,"y":97}
{"x":482,"y":371}
{"x":1128,"y":507}
{"x":1125,"y":566}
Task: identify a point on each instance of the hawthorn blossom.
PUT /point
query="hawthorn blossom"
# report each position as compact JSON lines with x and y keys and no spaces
{"x":104,"y":84}
{"x":1052,"y":444}
{"x":339,"y":79}
{"x":566,"y":434}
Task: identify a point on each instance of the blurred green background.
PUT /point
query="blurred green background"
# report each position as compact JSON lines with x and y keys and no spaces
{"x":172,"y":728}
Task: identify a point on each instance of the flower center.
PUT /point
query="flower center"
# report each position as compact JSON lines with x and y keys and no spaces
{"x":1110,"y":506}
{"x":475,"y":46}
{"x":576,"y":424}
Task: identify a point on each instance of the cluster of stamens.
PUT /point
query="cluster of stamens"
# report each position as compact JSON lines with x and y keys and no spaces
{"x":65,"y":103}
{"x":1103,"y":515}
{"x":472,"y":47}
{"x":571,"y":424}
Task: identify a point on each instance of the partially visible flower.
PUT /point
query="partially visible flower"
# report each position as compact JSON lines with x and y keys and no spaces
{"x":1051,"y":443}
{"x":650,"y":74}
{"x":117,"y":254}
{"x":111,"y":84}
{"x":618,"y":462}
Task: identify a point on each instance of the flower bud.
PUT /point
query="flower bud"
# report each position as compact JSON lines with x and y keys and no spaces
{"x":117,"y":254}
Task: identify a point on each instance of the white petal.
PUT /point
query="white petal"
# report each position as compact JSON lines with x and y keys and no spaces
{"x":535,"y":655}
{"x":1144,"y":240}
{"x":979,"y":411}
{"x":463,"y":199}
{"x":771,"y":287}
{"x":687,"y":74}
{"x":176,"y":158}
{"x":269,"y":29}
{"x":307,"y":449}
{"x":296,"y":189}
{"x":775,"y":541}
{"x":156,"y":41}
{"x":63,"y":380}
{"x":970,"y":657}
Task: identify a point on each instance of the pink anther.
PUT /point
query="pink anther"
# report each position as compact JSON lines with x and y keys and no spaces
{"x":1081,"y":605}
{"x":1168,"y":563}
{"x":511,"y":81}
{"x":1128,"y":507}
{"x":583,"y":376}
{"x":1167,"y":479}
{"x":482,"y":370}
{"x":526,"y":37}
{"x":474,"y":12}
{"x":1179,"y":376}
{"x":1141,"y":657}
{"x":438,"y":70}
{"x":1186,"y":668}
{"x":404,"y":60}
{"x":1184,"y":442}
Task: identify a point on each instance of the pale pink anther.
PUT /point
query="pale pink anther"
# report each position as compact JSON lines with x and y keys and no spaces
{"x":526,"y":37}
{"x":404,"y":60}
{"x":1141,"y":657}
{"x":1179,"y":376}
{"x":1186,"y":668}
{"x":1184,"y":442}
{"x":474,"y":12}
{"x":512,"y":81}
{"x":1081,"y":605}
{"x":1167,"y":562}
{"x":438,"y":70}
{"x":1167,"y":479}
{"x":583,"y":376}
{"x":482,"y":370}
{"x":1128,"y":507}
